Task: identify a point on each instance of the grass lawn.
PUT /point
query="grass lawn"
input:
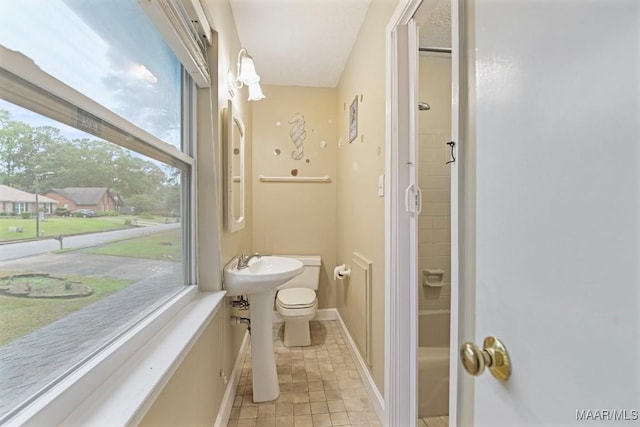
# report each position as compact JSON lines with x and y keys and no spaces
{"x":57,"y":225}
{"x":20,"y":316}
{"x":141,"y":219}
{"x":165,"y":246}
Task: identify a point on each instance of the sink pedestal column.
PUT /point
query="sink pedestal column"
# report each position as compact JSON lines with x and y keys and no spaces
{"x":265,"y":374}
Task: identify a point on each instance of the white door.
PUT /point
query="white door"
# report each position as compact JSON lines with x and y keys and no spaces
{"x":557,"y":123}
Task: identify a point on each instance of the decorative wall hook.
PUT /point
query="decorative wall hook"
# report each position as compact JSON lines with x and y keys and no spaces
{"x":453,"y":157}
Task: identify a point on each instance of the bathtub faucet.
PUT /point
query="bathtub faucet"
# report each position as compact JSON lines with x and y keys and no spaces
{"x":243,"y":260}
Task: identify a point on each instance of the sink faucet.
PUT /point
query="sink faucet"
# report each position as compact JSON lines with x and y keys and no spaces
{"x":243,"y":260}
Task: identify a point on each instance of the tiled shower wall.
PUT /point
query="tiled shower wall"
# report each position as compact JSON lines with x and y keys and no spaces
{"x":434,"y":178}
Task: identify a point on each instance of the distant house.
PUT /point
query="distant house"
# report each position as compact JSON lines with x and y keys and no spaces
{"x":160,"y":208}
{"x":14,"y":201}
{"x":97,"y":199}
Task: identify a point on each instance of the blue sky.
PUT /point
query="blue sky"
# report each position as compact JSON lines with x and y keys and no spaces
{"x":106,"y":49}
{"x":58,"y":41}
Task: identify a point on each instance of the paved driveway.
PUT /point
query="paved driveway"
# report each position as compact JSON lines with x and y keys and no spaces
{"x":74,"y":263}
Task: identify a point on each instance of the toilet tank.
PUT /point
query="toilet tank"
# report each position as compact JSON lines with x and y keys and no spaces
{"x":309,"y":277}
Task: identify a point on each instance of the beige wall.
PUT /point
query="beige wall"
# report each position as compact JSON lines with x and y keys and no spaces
{"x":434,"y":176}
{"x":296,"y":218}
{"x":193,"y":395}
{"x":360,"y":209}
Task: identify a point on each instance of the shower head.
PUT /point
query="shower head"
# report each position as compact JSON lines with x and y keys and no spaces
{"x":423,"y":106}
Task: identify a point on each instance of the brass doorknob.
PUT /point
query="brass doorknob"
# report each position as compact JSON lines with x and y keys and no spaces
{"x":494,"y":356}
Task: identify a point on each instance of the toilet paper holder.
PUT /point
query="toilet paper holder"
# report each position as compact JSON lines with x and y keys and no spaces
{"x":341,"y":271}
{"x":433,"y":278}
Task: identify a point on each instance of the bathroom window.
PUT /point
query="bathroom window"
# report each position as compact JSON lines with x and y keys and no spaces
{"x":95,"y":118}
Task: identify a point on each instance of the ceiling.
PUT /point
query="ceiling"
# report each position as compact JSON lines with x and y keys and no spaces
{"x":299,"y":42}
{"x":434,"y":20}
{"x":308,"y":42}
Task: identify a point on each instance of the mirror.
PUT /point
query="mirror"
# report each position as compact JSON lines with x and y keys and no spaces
{"x":234,"y":169}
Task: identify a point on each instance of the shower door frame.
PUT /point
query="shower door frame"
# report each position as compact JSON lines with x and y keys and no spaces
{"x":401,"y":274}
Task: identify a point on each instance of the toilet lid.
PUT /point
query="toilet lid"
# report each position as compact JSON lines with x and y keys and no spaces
{"x":296,"y":297}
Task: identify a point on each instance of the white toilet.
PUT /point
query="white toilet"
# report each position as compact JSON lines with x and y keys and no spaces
{"x":297,"y":303}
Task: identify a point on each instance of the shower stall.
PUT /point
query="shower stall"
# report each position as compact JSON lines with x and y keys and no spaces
{"x":434,"y":236}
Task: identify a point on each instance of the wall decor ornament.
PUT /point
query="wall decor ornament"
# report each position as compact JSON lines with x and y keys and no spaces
{"x":353,"y":120}
{"x":298,"y":135}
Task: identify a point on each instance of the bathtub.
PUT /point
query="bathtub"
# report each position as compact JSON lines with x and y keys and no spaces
{"x":433,"y":363}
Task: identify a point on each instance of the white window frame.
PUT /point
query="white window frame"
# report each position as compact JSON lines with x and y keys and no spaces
{"x":182,"y":24}
{"x":113,"y":387}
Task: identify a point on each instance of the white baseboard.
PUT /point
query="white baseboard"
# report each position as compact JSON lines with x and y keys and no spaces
{"x":321,"y":314}
{"x":374,"y":394}
{"x":230,"y":392}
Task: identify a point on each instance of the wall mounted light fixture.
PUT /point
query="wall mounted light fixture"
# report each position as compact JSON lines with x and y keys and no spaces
{"x":247,"y":76}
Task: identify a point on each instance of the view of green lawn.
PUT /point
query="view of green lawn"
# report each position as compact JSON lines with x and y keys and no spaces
{"x":56,"y":225}
{"x":162,"y":246}
{"x":65,"y":226}
{"x":20,"y":316}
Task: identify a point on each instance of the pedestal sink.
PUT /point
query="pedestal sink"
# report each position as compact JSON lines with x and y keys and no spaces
{"x":259,"y":282}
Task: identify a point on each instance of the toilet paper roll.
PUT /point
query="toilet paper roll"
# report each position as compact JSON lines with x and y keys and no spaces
{"x":341,"y":272}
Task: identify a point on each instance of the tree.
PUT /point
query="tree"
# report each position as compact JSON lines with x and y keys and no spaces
{"x":4,"y":118}
{"x":15,"y":143}
{"x":143,"y":203}
{"x":171,"y":195}
{"x":134,"y":175}
{"x":34,"y":155}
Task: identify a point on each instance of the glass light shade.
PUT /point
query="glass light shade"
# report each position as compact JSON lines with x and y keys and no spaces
{"x":248,"y":74}
{"x":255,"y":92}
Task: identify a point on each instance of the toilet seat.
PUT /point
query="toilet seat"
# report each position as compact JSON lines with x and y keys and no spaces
{"x":296,"y":298}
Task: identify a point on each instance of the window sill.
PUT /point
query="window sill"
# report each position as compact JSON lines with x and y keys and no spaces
{"x":119,"y":385}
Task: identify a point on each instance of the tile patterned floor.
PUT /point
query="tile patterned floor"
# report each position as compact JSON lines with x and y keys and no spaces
{"x":434,"y":422}
{"x":319,"y":385}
